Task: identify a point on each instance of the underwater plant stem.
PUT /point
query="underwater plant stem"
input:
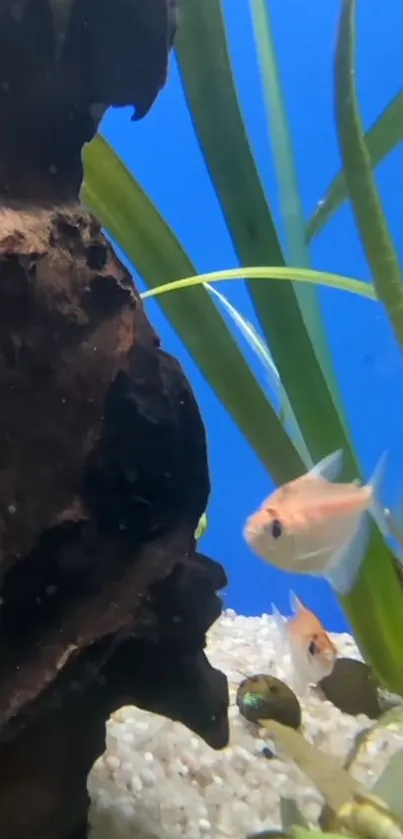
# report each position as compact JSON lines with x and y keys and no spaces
{"x":371,"y":221}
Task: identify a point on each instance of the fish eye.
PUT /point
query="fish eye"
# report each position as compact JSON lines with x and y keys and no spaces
{"x":276,"y":529}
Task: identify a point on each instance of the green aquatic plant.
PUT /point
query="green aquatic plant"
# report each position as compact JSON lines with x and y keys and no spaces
{"x":295,"y":275}
{"x":364,"y":195}
{"x":392,"y":718}
{"x":280,"y":279}
{"x":282,"y":309}
{"x":201,"y":527}
{"x":381,"y":139}
{"x":351,"y":808}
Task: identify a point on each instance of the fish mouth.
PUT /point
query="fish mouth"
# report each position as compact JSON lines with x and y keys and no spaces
{"x":254,"y":533}
{"x":328,"y":655}
{"x":251,"y":529}
{"x":328,"y":662}
{"x":328,"y":667}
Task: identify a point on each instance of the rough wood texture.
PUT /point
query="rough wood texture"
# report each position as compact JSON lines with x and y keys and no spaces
{"x":62,"y":63}
{"x":103,"y":478}
{"x":103,"y":469}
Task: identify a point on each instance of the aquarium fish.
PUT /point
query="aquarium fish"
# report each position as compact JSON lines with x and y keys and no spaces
{"x":312,"y":651}
{"x":314,"y":526}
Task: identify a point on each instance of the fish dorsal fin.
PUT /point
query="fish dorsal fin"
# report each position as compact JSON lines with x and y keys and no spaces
{"x":295,"y":603}
{"x":276,"y":614}
{"x":282,"y":641}
{"x":279,"y":620}
{"x":329,"y":468}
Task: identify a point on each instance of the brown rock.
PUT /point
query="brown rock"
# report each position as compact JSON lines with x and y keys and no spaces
{"x":62,"y":63}
{"x":103,"y":469}
{"x":103,"y":479}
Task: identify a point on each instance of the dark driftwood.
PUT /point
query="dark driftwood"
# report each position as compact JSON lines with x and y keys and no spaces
{"x":103,"y":468}
{"x":62,"y":63}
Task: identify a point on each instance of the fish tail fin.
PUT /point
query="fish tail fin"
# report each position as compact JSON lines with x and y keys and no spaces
{"x":343,"y":575}
{"x":279,"y":619}
{"x":376,"y":508}
{"x":330,"y":467}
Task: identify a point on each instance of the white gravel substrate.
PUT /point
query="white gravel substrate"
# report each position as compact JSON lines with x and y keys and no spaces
{"x":156,"y":778}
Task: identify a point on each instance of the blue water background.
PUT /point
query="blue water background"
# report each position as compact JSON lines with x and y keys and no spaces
{"x":163,"y":152}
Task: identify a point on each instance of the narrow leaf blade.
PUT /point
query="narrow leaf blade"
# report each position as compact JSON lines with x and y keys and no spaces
{"x":333,"y":782}
{"x":381,"y":139}
{"x":260,"y":349}
{"x":366,"y":202}
{"x":209,"y":88}
{"x":295,"y":275}
{"x":118,"y":201}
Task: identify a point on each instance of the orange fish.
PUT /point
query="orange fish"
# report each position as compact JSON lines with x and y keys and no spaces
{"x":313,"y":653}
{"x":314,"y":526}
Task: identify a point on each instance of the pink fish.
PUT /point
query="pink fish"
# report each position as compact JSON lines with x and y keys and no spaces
{"x":313,"y":653}
{"x":314,"y":526}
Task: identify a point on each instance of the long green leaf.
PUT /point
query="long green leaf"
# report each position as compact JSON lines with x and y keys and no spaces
{"x":209,"y":88}
{"x":296,"y":275}
{"x":289,"y":189}
{"x":262,"y":352}
{"x":367,"y":205}
{"x":290,"y":193}
{"x":374,"y":605}
{"x":336,"y":785}
{"x":123,"y":208}
{"x":381,"y":139}
{"x":280,"y":138}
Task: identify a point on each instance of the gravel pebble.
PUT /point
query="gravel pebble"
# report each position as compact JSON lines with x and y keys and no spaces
{"x":157,"y":779}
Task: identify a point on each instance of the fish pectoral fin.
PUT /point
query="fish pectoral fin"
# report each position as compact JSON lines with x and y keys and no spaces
{"x":329,"y":468}
{"x":315,"y":562}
